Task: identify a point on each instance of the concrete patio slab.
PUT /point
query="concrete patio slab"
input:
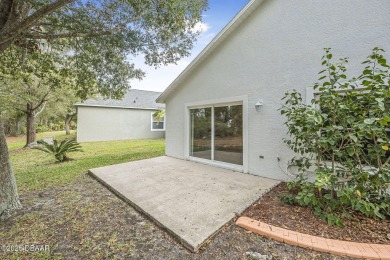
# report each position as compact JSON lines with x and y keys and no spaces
{"x":190,"y":200}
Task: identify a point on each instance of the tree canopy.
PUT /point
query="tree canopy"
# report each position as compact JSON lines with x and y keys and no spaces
{"x":98,"y":38}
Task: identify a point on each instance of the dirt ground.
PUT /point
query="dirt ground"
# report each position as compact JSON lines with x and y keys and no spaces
{"x":85,"y":220}
{"x":360,"y":229}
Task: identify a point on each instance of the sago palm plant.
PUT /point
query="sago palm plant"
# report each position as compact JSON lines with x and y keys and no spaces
{"x":59,"y":150}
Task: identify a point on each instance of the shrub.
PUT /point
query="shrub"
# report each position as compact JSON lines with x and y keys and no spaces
{"x":42,"y":128}
{"x":59,"y":150}
{"x":55,"y":127}
{"x":344,"y":133}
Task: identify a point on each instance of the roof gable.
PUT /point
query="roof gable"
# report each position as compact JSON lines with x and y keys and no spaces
{"x":221,"y":36}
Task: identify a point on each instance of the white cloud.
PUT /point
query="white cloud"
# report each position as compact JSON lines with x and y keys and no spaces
{"x":201,"y":27}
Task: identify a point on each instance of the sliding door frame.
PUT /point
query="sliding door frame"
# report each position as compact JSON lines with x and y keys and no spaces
{"x":238,"y":100}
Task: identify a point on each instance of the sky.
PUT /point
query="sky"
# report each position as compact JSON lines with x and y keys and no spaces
{"x":218,"y":15}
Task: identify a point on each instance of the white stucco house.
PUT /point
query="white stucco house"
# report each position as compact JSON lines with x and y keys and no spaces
{"x":128,"y":118}
{"x":270,"y":47}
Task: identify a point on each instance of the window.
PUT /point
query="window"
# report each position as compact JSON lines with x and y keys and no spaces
{"x":157,"y":123}
{"x":216,"y":133}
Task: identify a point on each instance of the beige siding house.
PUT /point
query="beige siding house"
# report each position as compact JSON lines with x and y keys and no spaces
{"x":128,"y":118}
{"x":223,"y":108}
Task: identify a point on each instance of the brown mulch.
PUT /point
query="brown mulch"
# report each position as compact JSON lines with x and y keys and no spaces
{"x":270,"y":210}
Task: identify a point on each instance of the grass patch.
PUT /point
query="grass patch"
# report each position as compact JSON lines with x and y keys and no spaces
{"x":36,"y":170}
{"x":70,"y":212}
{"x":19,"y":142}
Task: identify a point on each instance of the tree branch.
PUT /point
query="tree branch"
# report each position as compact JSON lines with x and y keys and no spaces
{"x":43,"y":107}
{"x":386,"y":162}
{"x":15,"y":29}
{"x":15,"y":94}
{"x":43,"y":100}
{"x":22,"y":110}
{"x":47,"y":36}
{"x":5,"y":11}
{"x":69,"y":117}
{"x":64,"y":35}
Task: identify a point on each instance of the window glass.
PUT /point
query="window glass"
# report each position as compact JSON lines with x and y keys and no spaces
{"x":158,"y":123}
{"x":200,"y":133}
{"x":228,"y":144}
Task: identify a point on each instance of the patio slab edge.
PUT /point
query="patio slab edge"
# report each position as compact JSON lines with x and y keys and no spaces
{"x":183,"y":198}
{"x":332,"y":246}
{"x":139,"y":209}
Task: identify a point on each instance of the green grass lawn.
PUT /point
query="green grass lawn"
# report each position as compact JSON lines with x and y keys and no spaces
{"x":36,"y":170}
{"x":19,"y":142}
{"x":65,"y":209}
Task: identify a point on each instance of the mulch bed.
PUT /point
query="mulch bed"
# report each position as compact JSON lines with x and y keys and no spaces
{"x":270,"y":210}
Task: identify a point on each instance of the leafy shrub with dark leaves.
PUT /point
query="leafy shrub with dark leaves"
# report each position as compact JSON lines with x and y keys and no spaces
{"x":344,"y":133}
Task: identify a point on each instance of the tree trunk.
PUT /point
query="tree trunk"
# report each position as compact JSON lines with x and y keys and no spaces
{"x":7,"y":127}
{"x":31,"y":131}
{"x":68,"y":119}
{"x":44,"y":121}
{"x":18,"y":127}
{"x":9,"y":198}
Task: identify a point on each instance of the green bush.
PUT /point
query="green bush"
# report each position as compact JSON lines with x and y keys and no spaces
{"x":73,"y":125}
{"x":345,"y":134}
{"x":42,"y":128}
{"x":55,"y":127}
{"x":59,"y":150}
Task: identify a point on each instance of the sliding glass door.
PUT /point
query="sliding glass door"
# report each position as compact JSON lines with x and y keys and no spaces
{"x":217,"y":133}
{"x":228,"y":134}
{"x":201,"y":133}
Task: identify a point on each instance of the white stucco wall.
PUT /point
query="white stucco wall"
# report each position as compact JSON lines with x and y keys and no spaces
{"x":105,"y":124}
{"x":278,"y":48}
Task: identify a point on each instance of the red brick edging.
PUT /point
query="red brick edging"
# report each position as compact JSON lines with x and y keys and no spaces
{"x":337,"y":247}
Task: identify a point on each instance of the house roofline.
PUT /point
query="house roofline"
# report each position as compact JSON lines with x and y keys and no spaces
{"x":145,"y":90}
{"x":221,"y":36}
{"x":123,"y":107}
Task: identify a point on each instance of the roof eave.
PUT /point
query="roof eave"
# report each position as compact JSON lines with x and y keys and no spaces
{"x":221,"y":36}
{"x":123,"y":107}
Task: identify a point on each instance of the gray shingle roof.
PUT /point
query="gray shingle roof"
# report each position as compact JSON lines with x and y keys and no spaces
{"x":134,"y":98}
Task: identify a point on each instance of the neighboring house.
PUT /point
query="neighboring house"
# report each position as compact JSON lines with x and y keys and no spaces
{"x":270,"y":47}
{"x":128,"y":118}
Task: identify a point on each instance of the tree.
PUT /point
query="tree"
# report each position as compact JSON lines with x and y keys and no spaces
{"x":344,"y":133}
{"x":9,"y":199}
{"x":63,"y":107}
{"x":39,"y":81}
{"x":13,"y":121}
{"x":97,"y":38}
{"x":68,"y":113}
{"x":33,"y":80}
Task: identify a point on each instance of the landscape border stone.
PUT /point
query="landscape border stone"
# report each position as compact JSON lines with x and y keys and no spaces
{"x":332,"y":246}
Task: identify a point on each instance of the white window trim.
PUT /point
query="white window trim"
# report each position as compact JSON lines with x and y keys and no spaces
{"x":241,"y":100}
{"x":151,"y":123}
